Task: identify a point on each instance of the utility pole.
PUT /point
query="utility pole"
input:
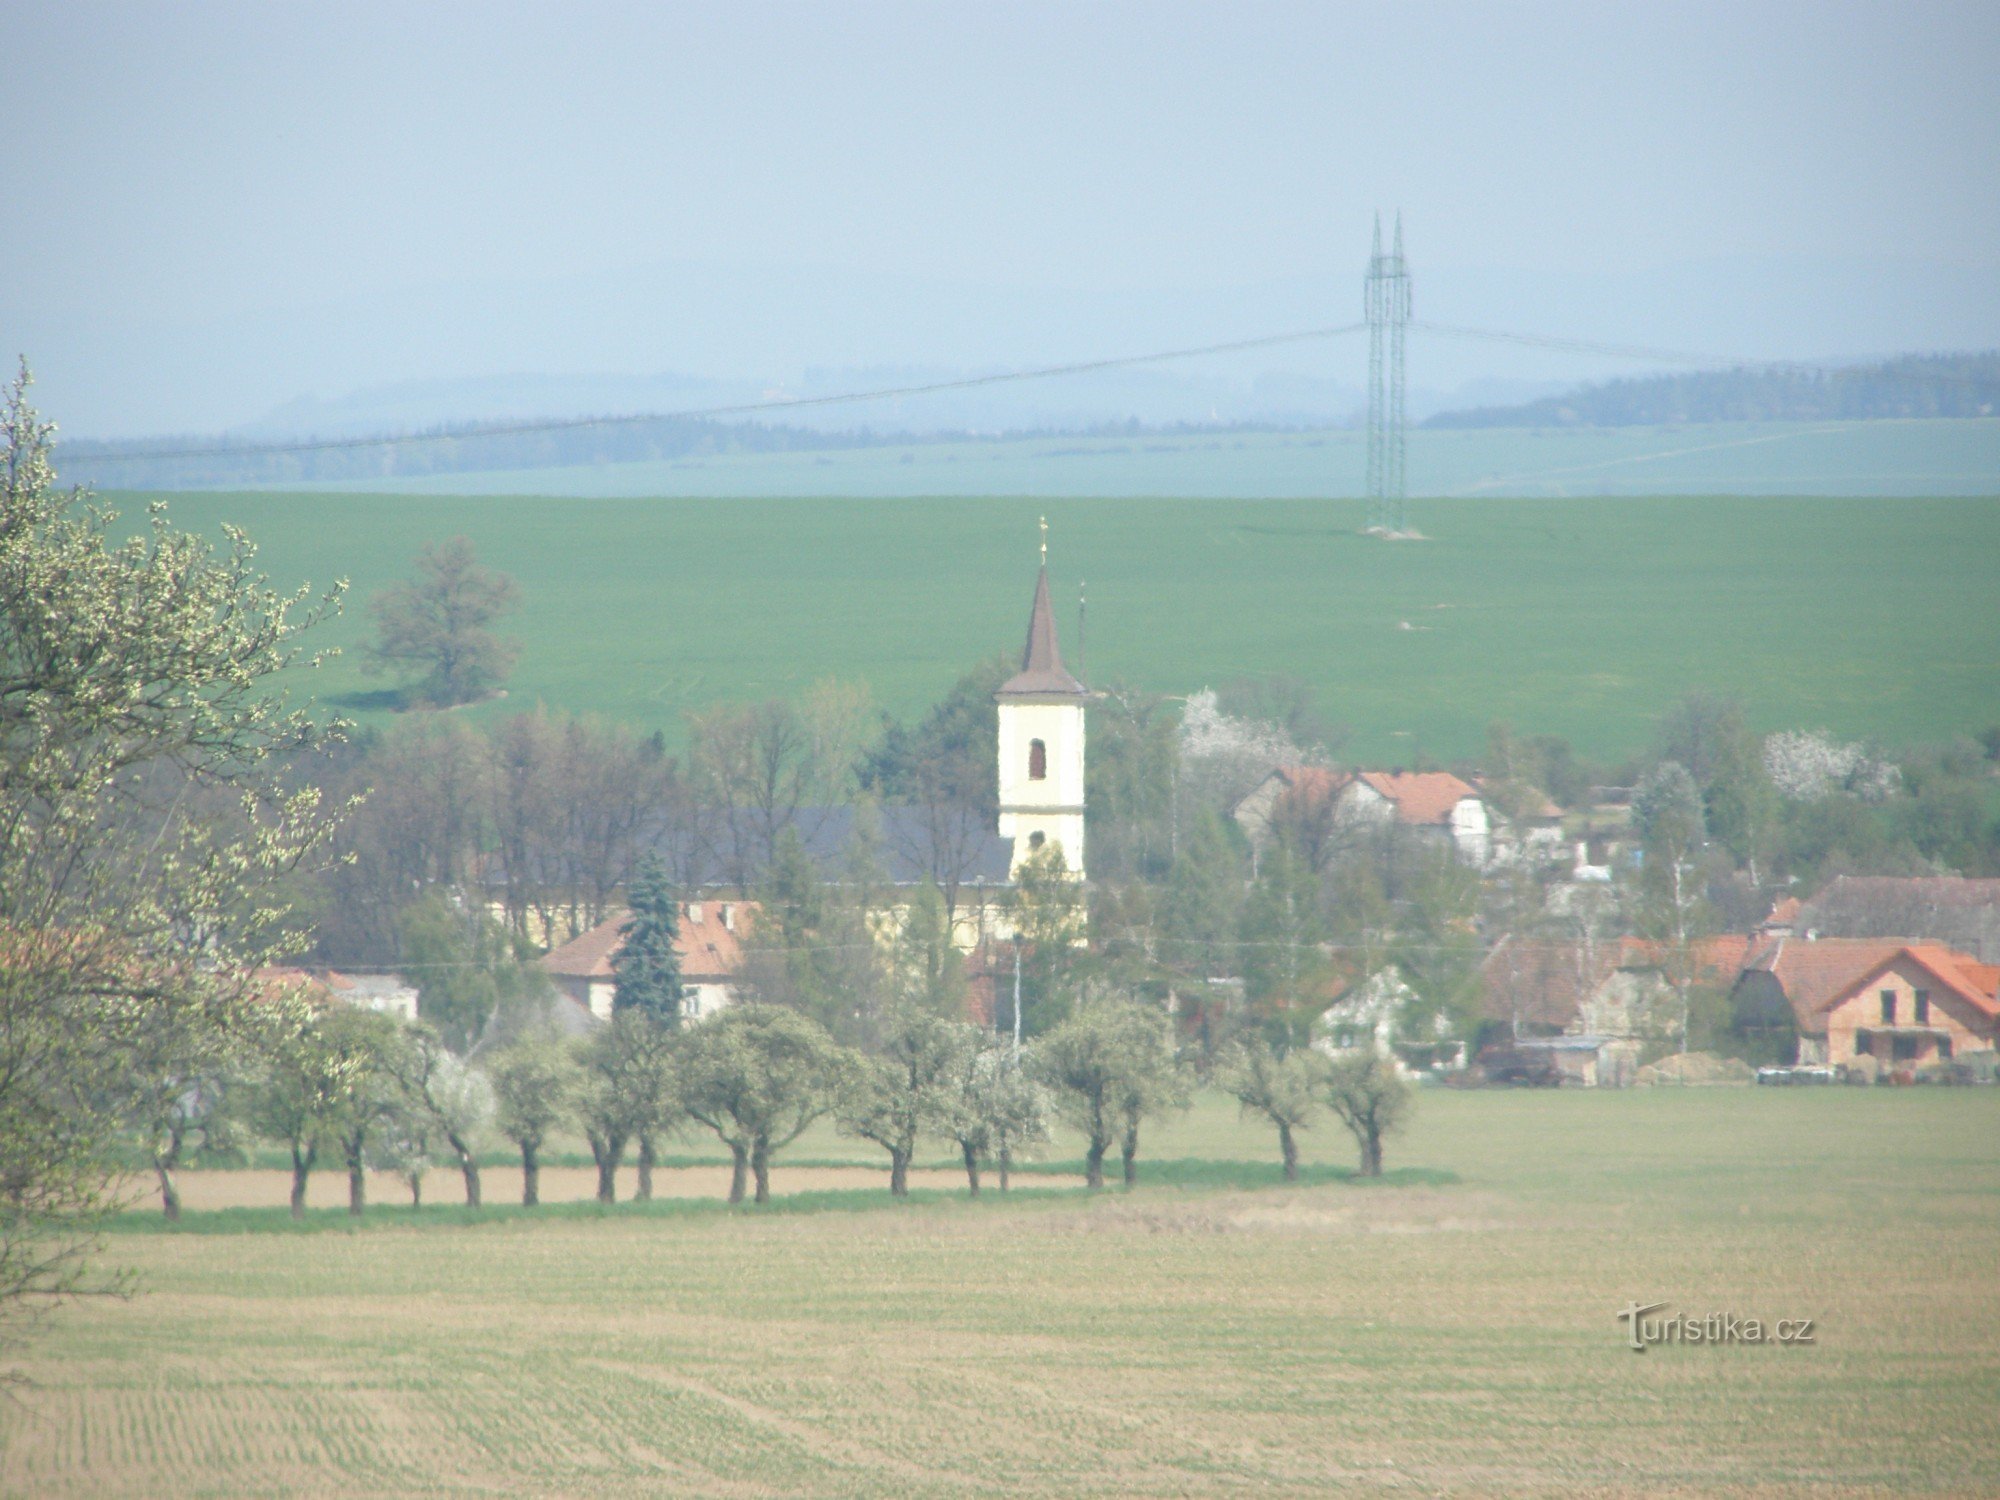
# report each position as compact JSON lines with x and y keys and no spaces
{"x":1387,"y":300}
{"x":1017,"y":995}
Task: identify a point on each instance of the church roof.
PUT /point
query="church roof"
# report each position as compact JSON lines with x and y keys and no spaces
{"x":1042,"y":669}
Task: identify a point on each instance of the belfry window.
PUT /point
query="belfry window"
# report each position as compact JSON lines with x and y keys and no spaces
{"x":1038,"y":761}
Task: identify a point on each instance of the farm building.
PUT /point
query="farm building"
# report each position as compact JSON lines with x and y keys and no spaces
{"x":709,"y":944}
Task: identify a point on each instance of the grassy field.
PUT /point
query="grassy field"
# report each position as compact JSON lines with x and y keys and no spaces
{"x":1451,"y":1332}
{"x":1579,"y":617}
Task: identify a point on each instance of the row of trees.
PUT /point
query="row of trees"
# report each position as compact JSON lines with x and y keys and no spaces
{"x":361,"y":1091}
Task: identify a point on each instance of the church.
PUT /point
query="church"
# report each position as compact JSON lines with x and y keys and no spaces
{"x":1040,"y":771}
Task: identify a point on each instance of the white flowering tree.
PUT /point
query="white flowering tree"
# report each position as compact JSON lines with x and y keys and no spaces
{"x":143,"y":829}
{"x":1808,"y":764}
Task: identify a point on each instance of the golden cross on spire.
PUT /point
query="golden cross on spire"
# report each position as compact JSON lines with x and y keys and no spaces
{"x":1045,"y":541}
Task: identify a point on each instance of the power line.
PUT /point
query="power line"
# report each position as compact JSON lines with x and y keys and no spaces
{"x":745,"y":408}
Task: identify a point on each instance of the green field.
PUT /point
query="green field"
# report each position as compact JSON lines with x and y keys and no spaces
{"x":1450,"y":1333}
{"x":1581,"y":617}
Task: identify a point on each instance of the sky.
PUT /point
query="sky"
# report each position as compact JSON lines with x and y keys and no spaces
{"x":211,"y":210}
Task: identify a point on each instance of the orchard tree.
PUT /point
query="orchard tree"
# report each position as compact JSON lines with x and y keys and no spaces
{"x":457,"y":1098}
{"x":647,"y":964}
{"x":1286,"y":1089}
{"x":143,"y":826}
{"x":758,"y":1075}
{"x":905,"y":1091}
{"x":1369,"y":1097}
{"x":439,"y":623}
{"x":994,"y":1109}
{"x":627,"y":1091}
{"x":307,"y":1073}
{"x":535,"y":1089}
{"x":1109,"y":1065}
{"x":376,"y":1103}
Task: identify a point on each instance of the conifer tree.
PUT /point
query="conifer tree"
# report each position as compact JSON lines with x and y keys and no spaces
{"x":647,"y":967}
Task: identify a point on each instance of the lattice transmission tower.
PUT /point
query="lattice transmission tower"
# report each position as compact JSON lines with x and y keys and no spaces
{"x":1388,"y":303}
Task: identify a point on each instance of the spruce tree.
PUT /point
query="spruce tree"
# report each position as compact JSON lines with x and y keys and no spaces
{"x":647,"y":968}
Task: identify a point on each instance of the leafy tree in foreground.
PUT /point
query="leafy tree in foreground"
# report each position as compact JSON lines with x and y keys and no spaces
{"x":438,"y":623}
{"x":993,"y":1108}
{"x":535,"y":1085}
{"x":758,"y":1075}
{"x":1369,"y":1097}
{"x":1108,"y":1065}
{"x":1284,"y":1089}
{"x":142,"y":827}
{"x":647,"y":964}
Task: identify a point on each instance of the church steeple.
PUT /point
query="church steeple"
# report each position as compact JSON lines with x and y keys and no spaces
{"x":1041,"y":741}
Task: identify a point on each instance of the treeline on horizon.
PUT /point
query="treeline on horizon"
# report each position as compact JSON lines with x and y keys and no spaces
{"x":1913,"y":385}
{"x":147,"y":463}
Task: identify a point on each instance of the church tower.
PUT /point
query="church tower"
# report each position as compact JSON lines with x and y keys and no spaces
{"x":1041,"y":742}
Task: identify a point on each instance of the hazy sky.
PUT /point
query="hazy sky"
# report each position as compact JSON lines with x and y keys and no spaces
{"x":216,"y":190}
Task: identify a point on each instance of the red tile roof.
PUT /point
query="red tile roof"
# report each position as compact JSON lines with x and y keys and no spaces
{"x":1420,"y":796}
{"x":708,"y":950}
{"x":1817,"y":974}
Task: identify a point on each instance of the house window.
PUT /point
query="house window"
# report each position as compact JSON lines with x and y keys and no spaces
{"x":1038,"y":761}
{"x":1903,"y":1049}
{"x":1923,"y":1007}
{"x":694,"y":911}
{"x":1889,"y":1007}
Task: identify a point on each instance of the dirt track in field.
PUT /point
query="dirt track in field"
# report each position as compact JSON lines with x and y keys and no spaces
{"x":327,"y":1188}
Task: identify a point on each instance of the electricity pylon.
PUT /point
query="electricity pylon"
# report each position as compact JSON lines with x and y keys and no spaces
{"x":1388,"y":305}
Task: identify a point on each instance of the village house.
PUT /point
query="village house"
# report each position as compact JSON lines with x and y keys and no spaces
{"x":1901,"y":1003}
{"x":1370,"y":1010}
{"x":1433,"y":805}
{"x":709,"y":944}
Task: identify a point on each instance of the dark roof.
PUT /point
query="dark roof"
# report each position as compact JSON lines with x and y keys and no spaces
{"x":914,"y":845}
{"x":1958,"y":912}
{"x":1042,"y":669}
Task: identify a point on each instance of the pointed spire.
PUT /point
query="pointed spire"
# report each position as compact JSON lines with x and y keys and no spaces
{"x":1042,"y":669}
{"x":1399,"y":234}
{"x":1378,"y":234}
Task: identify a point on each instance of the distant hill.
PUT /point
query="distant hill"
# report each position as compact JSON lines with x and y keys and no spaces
{"x":1913,"y":385}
